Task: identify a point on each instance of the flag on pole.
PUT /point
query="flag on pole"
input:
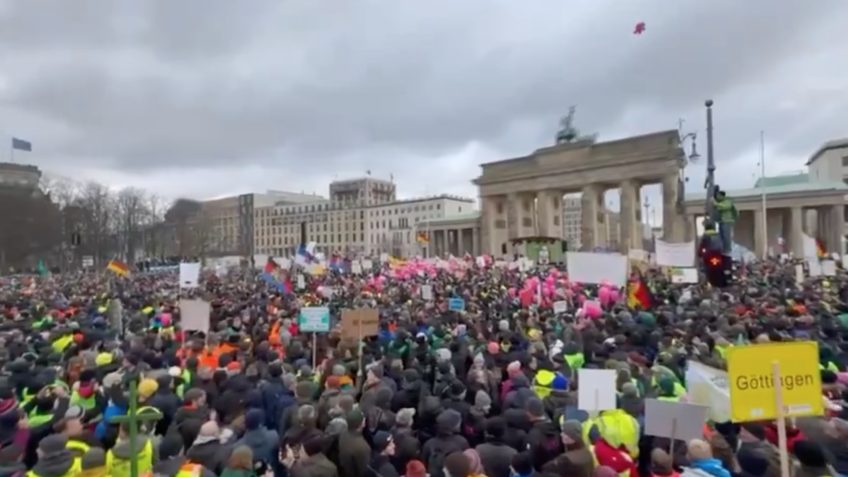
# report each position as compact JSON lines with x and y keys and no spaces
{"x":118,"y":267}
{"x":638,"y":295}
{"x":21,"y":145}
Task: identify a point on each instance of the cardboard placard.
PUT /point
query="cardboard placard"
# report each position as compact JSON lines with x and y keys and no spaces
{"x":456,"y":304}
{"x":596,"y":389}
{"x":189,"y":275}
{"x":674,"y":420}
{"x":360,"y":323}
{"x":194,"y":315}
{"x":315,"y":319}
{"x":560,"y":306}
{"x":753,"y":392}
{"x":426,"y":292}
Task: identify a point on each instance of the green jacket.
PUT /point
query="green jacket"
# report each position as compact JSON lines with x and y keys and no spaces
{"x":726,"y":210}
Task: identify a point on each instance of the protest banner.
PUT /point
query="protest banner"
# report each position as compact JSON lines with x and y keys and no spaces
{"x":675,"y":254}
{"x":314,"y":319}
{"x":189,"y":275}
{"x":589,"y":267}
{"x":674,"y":420}
{"x":775,"y":381}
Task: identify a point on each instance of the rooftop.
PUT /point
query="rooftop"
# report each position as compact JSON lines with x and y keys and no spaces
{"x":775,"y":181}
{"x":787,"y":188}
{"x":467,"y":217}
{"x":833,"y":144}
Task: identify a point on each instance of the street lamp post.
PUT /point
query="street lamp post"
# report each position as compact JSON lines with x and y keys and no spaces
{"x":710,"y":183}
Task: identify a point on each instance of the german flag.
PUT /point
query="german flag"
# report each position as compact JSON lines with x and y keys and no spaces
{"x":423,"y":237}
{"x":638,"y":295}
{"x":118,"y":267}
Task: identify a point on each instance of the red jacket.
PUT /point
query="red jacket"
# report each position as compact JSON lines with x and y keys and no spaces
{"x":793,"y":435}
{"x":617,"y":459}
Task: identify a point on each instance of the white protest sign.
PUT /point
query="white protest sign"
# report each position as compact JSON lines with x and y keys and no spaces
{"x":845,"y":261}
{"x":189,"y":275}
{"x":814,"y":266}
{"x":675,"y":254}
{"x":596,"y":389}
{"x":811,"y":251}
{"x":301,"y":282}
{"x":707,"y":386}
{"x":675,"y":420}
{"x":481,"y":262}
{"x":828,"y":268}
{"x":367,"y":265}
{"x":194,"y":315}
{"x":684,"y":275}
{"x":637,"y":254}
{"x":799,"y":274}
{"x":426,"y":292}
{"x":384,"y":257}
{"x":560,"y":306}
{"x":283,"y":262}
{"x":588,"y":267}
{"x":355,"y":268}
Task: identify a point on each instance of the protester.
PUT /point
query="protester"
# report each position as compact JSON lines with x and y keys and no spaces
{"x":491,"y":391}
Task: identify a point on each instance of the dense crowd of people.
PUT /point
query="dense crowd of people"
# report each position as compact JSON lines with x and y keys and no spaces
{"x":488,"y":391}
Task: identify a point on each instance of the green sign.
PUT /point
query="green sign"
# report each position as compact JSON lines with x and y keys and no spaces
{"x":315,"y":319}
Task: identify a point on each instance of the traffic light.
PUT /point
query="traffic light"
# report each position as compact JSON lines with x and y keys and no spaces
{"x":716,"y":268}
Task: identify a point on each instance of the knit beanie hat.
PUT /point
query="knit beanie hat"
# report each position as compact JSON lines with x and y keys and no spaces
{"x":94,"y":458}
{"x":482,"y":400}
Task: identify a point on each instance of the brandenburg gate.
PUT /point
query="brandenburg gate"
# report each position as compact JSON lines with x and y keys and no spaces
{"x":522,"y":197}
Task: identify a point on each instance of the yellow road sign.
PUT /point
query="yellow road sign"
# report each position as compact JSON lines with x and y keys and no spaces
{"x":752,"y":383}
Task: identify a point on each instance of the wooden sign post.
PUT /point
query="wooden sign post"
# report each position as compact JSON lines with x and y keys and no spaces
{"x":133,"y":419}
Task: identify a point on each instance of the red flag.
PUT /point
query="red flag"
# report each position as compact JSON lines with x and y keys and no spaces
{"x":638,"y":294}
{"x":271,"y":265}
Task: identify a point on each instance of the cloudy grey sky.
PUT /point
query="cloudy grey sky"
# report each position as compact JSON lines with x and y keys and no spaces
{"x":213,"y":97}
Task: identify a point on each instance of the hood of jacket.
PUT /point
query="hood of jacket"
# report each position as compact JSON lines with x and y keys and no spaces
{"x":122,"y":448}
{"x":54,"y":465}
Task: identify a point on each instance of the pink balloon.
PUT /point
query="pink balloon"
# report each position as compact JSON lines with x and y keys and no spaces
{"x":615,"y":295}
{"x":591,"y":309}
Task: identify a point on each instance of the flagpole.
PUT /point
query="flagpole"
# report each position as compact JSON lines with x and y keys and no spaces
{"x":763,"y":176}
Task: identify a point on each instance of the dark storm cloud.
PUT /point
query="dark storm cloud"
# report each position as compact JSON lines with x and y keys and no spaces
{"x":349,"y":86}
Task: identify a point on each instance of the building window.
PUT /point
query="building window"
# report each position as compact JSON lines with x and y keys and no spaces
{"x":844,"y":161}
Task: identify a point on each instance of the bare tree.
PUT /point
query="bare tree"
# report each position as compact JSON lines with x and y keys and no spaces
{"x":61,"y":190}
{"x":131,"y":214}
{"x":96,"y":210}
{"x":154,"y":233}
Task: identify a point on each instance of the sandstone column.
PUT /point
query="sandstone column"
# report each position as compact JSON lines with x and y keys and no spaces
{"x":589,"y":230}
{"x":672,"y":227}
{"x":547,"y":207}
{"x":795,"y":240}
{"x":691,"y":226}
{"x":760,"y":241}
{"x":630,"y":234}
{"x":836,"y":229}
{"x":488,"y":231}
{"x":513,"y":216}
